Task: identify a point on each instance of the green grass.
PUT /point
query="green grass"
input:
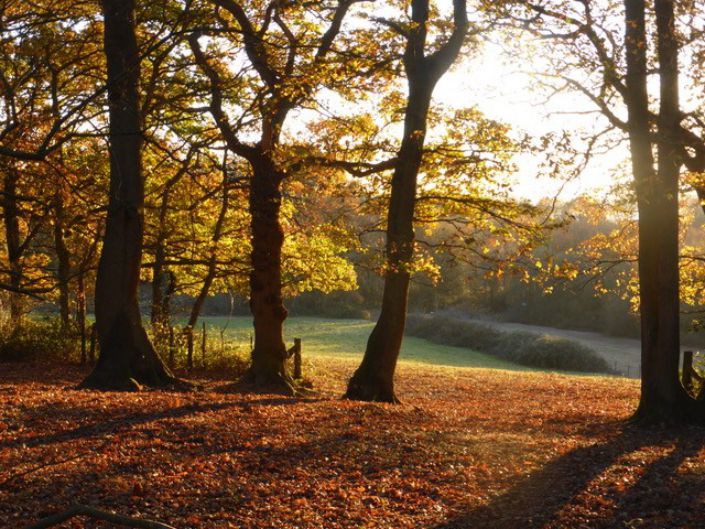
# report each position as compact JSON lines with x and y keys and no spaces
{"x":347,"y":338}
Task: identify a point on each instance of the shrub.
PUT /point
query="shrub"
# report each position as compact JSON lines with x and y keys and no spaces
{"x":38,"y":339}
{"x":451,"y":331}
{"x":550,"y":352}
{"x":521,"y":347}
{"x":222,"y":356}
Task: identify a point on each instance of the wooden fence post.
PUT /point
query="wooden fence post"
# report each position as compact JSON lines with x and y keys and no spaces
{"x":189,"y":348}
{"x":297,"y":359}
{"x":203,"y":346}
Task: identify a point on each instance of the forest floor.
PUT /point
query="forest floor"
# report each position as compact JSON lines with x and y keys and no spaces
{"x":473,"y":448}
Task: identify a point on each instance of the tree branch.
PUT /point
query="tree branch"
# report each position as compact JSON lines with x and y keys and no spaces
{"x":440,"y":61}
{"x":216,"y":102}
{"x":85,"y":510}
{"x":254,"y":45}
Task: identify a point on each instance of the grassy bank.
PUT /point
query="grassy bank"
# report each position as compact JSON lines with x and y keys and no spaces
{"x":347,"y":338}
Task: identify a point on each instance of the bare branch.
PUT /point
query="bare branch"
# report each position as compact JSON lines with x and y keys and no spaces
{"x":85,"y":510}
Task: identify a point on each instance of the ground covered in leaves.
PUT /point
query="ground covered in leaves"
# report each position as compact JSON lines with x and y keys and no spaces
{"x":468,"y":448}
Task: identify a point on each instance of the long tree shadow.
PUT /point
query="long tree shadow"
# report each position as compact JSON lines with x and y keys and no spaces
{"x":663,"y":496}
{"x":538,"y":501}
{"x":45,"y":373}
{"x":127,"y":422}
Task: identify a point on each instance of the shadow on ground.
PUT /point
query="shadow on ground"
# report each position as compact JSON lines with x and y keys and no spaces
{"x":571,"y":491}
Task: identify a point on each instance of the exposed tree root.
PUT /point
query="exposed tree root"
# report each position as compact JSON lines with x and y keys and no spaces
{"x":270,"y":383}
{"x":687,"y":410}
{"x":101,"y":380}
{"x":92,"y":512}
{"x":132,"y":371}
{"x":106,"y":381}
{"x":370,"y":389}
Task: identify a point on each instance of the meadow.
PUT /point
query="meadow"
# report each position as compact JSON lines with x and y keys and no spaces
{"x":346,"y":339}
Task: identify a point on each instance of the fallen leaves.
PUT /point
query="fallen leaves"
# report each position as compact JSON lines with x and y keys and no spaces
{"x":468,"y":448}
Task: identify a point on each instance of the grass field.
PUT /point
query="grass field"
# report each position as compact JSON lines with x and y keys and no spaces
{"x":345,"y":339}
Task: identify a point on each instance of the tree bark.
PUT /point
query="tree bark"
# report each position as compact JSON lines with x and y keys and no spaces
{"x":156,"y":315}
{"x":63,"y":258}
{"x":14,"y":246}
{"x":159,"y":273}
{"x":160,"y":315}
{"x":662,"y":395}
{"x":212,"y":266}
{"x":374,"y":379}
{"x":268,"y":368}
{"x":81,"y":314}
{"x":127,"y":358}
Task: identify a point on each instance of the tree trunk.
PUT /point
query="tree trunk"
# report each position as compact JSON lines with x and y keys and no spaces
{"x":159,"y":273}
{"x":374,"y":379}
{"x":156,"y":315}
{"x":127,"y":358}
{"x":167,"y":295}
{"x":81,"y":314}
{"x":14,"y":247}
{"x":268,"y":368}
{"x":63,"y":257}
{"x":657,"y":197}
{"x":212,"y":266}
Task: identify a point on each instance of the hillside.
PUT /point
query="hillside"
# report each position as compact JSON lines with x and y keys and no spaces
{"x":469,"y":448}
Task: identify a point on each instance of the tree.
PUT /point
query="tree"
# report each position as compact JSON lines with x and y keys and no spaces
{"x":227,"y":182}
{"x":127,"y":357}
{"x":287,"y":58}
{"x":374,"y":378}
{"x":612,"y":68}
{"x":657,"y":198}
{"x":47,"y":67}
{"x":47,"y":52}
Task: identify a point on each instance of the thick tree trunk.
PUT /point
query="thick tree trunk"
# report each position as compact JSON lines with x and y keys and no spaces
{"x":127,"y":358}
{"x":662,"y":396}
{"x":268,"y":369}
{"x":374,"y":379}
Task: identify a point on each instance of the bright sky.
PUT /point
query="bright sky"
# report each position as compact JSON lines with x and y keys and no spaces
{"x":504,"y":93}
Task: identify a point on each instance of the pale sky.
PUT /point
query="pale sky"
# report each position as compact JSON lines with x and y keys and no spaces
{"x":505,"y":93}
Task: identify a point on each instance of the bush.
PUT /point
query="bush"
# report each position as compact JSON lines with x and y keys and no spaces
{"x":521,"y":347}
{"x":451,"y":331}
{"x":38,"y":339}
{"x":221,"y":354}
{"x":550,"y":352}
